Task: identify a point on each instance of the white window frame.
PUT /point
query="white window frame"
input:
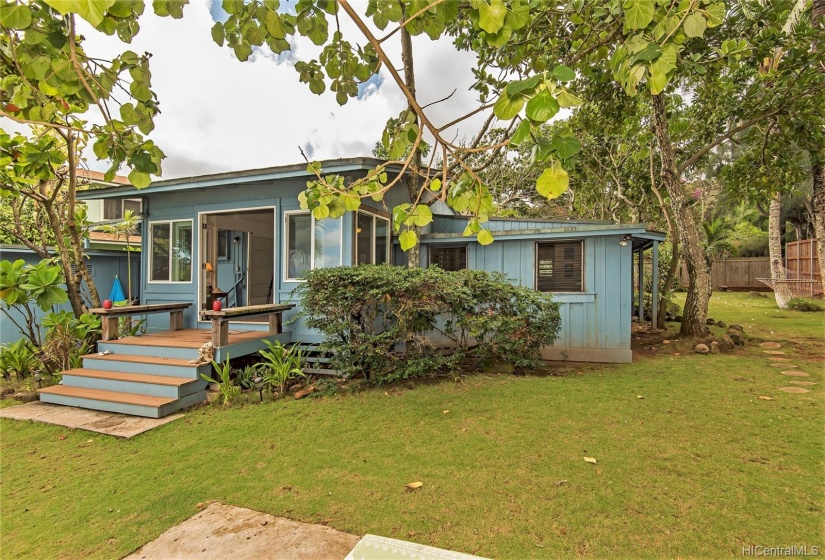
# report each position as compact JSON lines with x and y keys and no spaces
{"x":289,"y":213}
{"x":374,"y":217}
{"x":152,"y":252}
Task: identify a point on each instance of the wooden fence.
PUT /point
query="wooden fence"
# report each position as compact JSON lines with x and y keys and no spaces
{"x":802,"y":260}
{"x":737,"y":274}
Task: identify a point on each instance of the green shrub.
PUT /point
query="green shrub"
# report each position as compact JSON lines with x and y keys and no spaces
{"x":804,"y":305}
{"x":18,"y":358}
{"x":380,"y":320}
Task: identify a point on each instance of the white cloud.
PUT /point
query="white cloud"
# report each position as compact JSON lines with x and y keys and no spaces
{"x":218,"y":114}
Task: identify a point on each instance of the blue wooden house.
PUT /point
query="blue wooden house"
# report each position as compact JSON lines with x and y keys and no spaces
{"x":241,"y":238}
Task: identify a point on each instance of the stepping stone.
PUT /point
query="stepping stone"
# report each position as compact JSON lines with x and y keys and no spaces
{"x":803,"y":382}
{"x":795,"y":373}
{"x":794,"y":390}
{"x":783,"y":365}
{"x":770,"y":345}
{"x":774,"y":352}
{"x":778,"y":359}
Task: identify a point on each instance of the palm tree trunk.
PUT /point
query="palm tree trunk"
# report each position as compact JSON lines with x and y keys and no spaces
{"x":780,"y":289}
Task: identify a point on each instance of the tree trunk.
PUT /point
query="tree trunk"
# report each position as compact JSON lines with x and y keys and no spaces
{"x":818,"y":169}
{"x":695,"y":313}
{"x":72,"y":278}
{"x":413,"y":177}
{"x":780,"y":289}
{"x":83,"y":273}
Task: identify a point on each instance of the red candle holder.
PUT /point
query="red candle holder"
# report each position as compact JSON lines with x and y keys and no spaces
{"x":107,"y":304}
{"x":217,"y":305}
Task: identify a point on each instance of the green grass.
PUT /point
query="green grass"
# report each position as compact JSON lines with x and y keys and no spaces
{"x":698,"y":467}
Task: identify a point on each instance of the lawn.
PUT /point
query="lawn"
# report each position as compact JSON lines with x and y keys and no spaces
{"x":690,"y":462}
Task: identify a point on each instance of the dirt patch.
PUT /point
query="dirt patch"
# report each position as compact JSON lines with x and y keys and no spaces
{"x":222,"y":531}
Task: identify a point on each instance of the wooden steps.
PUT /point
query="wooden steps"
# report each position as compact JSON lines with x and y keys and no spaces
{"x":108,"y":396}
{"x":129,"y":377}
{"x":154,"y":360}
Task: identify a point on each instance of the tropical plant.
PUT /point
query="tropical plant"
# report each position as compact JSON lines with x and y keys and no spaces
{"x":281,"y":366}
{"x":718,"y":239}
{"x":228,"y":391}
{"x":68,"y":339}
{"x":24,"y":288}
{"x":18,"y":358}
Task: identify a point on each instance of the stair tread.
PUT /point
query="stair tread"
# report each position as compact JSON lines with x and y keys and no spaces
{"x":110,"y":396}
{"x":157,"y":360}
{"x":132,"y":377}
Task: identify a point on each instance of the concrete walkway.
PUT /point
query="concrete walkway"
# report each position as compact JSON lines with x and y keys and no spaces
{"x":109,"y":423}
{"x":222,"y":531}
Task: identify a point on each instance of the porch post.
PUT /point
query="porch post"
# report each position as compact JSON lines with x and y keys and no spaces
{"x":632,"y":281}
{"x":654,"y":311}
{"x":641,"y":284}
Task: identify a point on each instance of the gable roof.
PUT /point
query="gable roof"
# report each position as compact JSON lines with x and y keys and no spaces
{"x":342,"y":165}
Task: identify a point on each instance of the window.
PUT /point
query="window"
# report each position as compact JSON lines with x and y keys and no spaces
{"x":559,"y":267}
{"x":310,"y":243}
{"x":372,"y":239}
{"x":449,"y":258}
{"x":171,"y":251}
{"x":223,"y":244}
{"x":115,"y":208}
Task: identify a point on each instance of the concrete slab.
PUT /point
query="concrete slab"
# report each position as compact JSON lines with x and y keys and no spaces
{"x":795,"y":373}
{"x":373,"y":547}
{"x":109,"y":423}
{"x":222,"y":531}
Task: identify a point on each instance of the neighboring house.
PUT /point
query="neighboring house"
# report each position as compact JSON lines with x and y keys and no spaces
{"x":242,"y":236}
{"x":109,"y":212}
{"x":104,"y":265}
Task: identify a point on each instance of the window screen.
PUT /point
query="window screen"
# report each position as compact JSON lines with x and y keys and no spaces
{"x":449,"y":258}
{"x":559,"y":267}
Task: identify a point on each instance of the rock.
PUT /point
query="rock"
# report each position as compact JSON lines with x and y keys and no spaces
{"x":701,"y":349}
{"x":736,"y":337}
{"x":714,"y":347}
{"x":294,"y":387}
{"x":726,"y":344}
{"x":710,"y":321}
{"x":736,"y":328}
{"x":213,"y":388}
{"x":308,"y":391}
{"x":721,"y":324}
{"x":25,"y":397}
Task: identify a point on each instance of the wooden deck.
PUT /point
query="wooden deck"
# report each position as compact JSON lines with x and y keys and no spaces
{"x":187,"y":338}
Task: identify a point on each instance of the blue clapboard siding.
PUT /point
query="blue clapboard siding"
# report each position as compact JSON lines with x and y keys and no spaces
{"x":105,"y":265}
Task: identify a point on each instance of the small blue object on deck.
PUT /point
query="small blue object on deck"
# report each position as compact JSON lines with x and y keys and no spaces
{"x":117,"y":295}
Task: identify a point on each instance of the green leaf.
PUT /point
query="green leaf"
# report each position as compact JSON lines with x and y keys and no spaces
{"x":514,"y":88}
{"x":491,"y":16}
{"x":139,"y":179}
{"x":638,"y":13}
{"x":564,"y":73}
{"x":93,"y":11}
{"x":508,"y":107}
{"x":484,"y":237}
{"x":407,"y":239}
{"x":275,"y":25}
{"x":650,"y":52}
{"x":521,"y":133}
{"x":567,"y":99}
{"x":243,"y":52}
{"x":218,"y":34}
{"x":320,"y":212}
{"x":140,"y":91}
{"x":435,"y":185}
{"x":695,"y":25}
{"x":15,"y":16}
{"x":716,"y":14}
{"x":553,"y":181}
{"x":566,"y":146}
{"x":352,"y":203}
{"x":422,"y":216}
{"x":542,"y":107}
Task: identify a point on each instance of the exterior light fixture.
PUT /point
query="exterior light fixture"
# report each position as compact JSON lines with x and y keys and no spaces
{"x":624,"y":240}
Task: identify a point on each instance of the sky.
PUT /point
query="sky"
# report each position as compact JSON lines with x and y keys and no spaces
{"x":219,"y":114}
